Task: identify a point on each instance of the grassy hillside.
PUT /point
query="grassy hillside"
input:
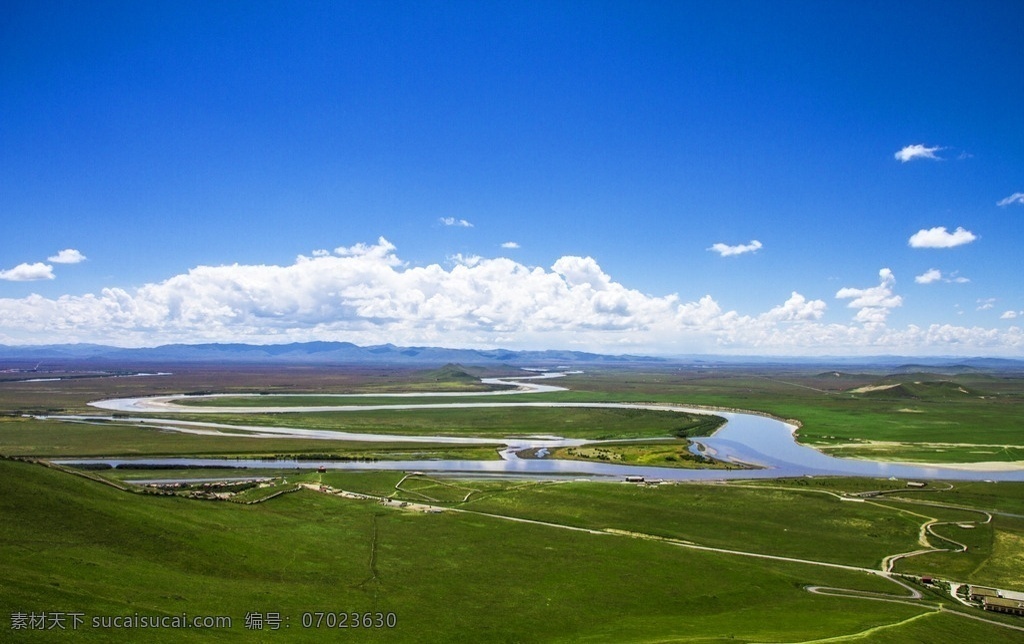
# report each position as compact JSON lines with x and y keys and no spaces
{"x":73,"y":545}
{"x":918,"y":390}
{"x":517,"y":560}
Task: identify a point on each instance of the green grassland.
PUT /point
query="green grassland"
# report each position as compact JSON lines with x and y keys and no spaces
{"x":56,"y":439}
{"x":800,"y":525}
{"x":594,"y":424}
{"x":80,"y":546}
{"x":995,"y":550}
{"x":73,"y":394}
{"x":915,"y":416}
{"x":517,"y":559}
{"x":671,"y":454}
{"x":925,"y":453}
{"x":1007,"y":496}
{"x":925,"y":417}
{"x":323,"y":400}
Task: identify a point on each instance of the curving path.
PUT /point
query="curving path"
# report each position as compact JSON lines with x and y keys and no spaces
{"x":911,"y":596}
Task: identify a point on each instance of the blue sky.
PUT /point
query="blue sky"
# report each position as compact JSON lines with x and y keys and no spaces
{"x":792,"y":178}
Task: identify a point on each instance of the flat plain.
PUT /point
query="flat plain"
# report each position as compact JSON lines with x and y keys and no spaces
{"x":519,"y":559}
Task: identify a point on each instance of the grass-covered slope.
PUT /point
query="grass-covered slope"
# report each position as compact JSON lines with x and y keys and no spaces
{"x":919,"y":390}
{"x":73,"y":545}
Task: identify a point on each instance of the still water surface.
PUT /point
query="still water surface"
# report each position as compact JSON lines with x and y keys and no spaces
{"x":747,"y":438}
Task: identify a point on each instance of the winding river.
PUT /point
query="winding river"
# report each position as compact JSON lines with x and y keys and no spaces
{"x":747,"y":438}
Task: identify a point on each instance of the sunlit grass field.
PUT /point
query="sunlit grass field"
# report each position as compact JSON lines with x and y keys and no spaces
{"x":520,"y":559}
{"x":925,"y":417}
{"x":80,"y":546}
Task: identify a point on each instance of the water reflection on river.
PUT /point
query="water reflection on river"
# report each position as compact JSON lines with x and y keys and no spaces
{"x":747,"y":438}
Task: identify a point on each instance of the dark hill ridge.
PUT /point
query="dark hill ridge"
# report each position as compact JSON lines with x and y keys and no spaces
{"x":451,"y":373}
{"x":951,"y":369}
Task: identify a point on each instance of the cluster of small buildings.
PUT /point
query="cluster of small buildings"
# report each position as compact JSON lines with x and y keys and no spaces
{"x":640,"y":480}
{"x":1000,"y":601}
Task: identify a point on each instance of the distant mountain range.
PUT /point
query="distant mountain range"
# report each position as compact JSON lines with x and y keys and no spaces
{"x":308,"y":353}
{"x":346,"y":353}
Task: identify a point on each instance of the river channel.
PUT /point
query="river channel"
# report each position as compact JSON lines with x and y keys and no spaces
{"x":767,"y":443}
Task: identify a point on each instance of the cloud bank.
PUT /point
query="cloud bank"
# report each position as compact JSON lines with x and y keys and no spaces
{"x":366,"y":294}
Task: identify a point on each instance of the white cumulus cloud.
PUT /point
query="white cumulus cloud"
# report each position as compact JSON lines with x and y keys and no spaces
{"x":67,"y":256}
{"x":917,"y":151}
{"x":797,"y":308}
{"x":939,"y":237}
{"x":1009,"y":315}
{"x":727,"y":251}
{"x":368,"y":295}
{"x":874,"y":302}
{"x":929,"y":276}
{"x":1017,"y":197}
{"x":510,"y":244}
{"x":933,"y":275}
{"x":28,"y":273}
{"x":452,"y":221}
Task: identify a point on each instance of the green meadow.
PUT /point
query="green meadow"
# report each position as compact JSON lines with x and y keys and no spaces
{"x":79,"y":546}
{"x":594,"y":424}
{"x":56,"y":439}
{"x":914,"y":416}
{"x":519,"y":559}
{"x":923,"y":417}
